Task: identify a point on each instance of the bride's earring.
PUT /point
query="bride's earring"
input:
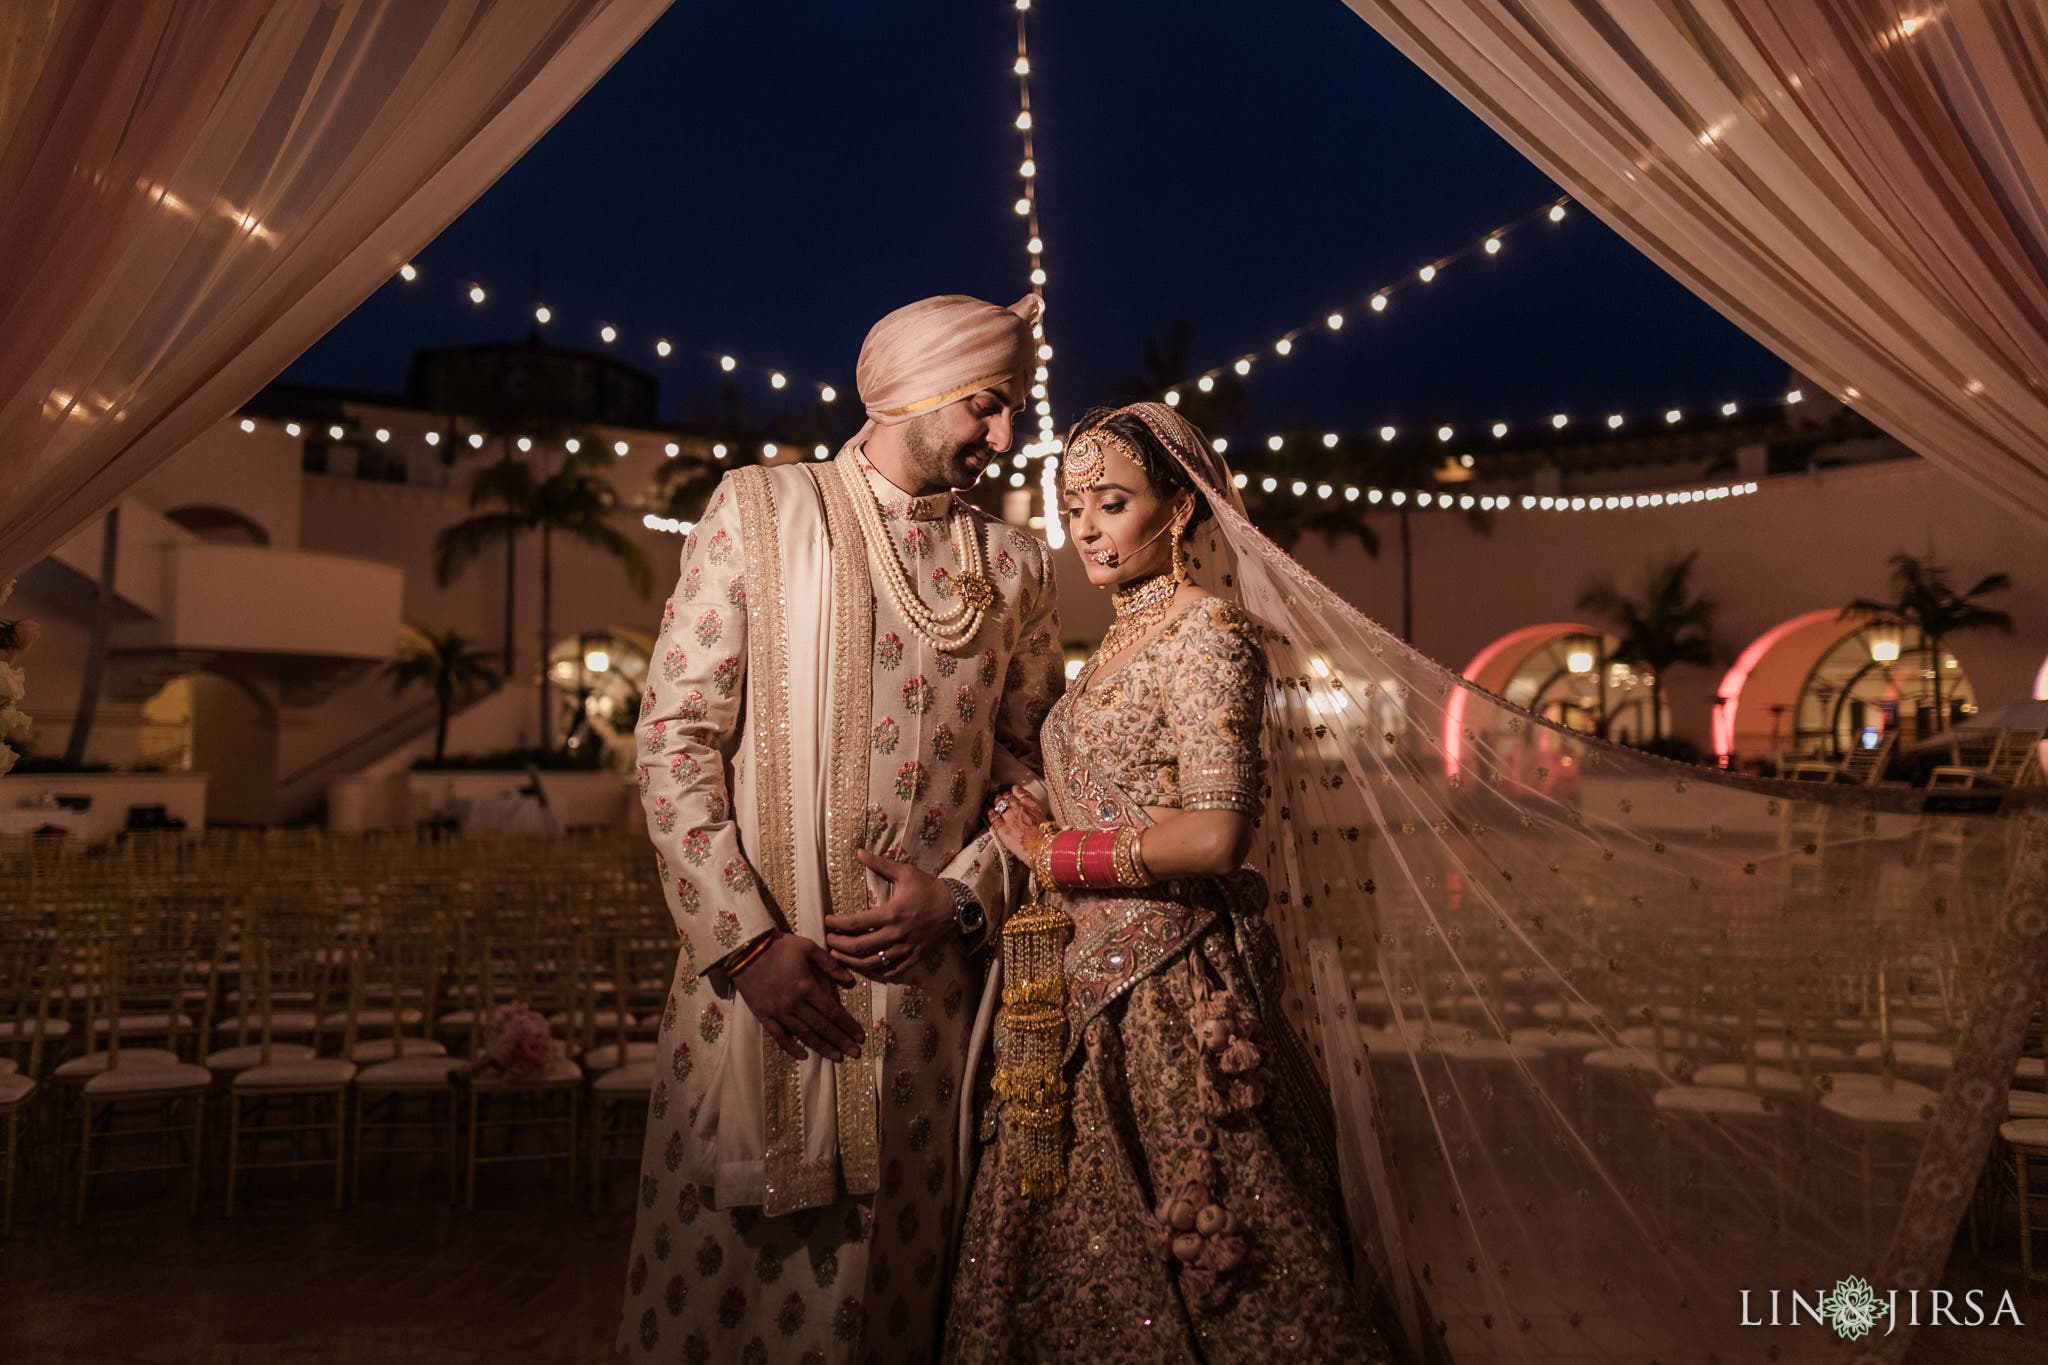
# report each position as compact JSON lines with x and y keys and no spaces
{"x":1180,"y":564}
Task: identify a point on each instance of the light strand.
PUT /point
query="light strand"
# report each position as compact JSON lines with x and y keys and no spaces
{"x":1375,"y":496}
{"x":1601,"y":422}
{"x":609,"y":334}
{"x":1376,"y":302}
{"x":1034,"y":245}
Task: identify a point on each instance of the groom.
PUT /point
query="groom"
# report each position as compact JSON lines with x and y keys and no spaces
{"x":852,"y":656}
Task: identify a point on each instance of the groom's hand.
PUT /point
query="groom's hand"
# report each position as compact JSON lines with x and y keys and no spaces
{"x":913,"y":923}
{"x":789,"y":989}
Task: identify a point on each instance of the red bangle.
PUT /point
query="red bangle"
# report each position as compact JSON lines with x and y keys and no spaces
{"x":1065,"y":860}
{"x":1098,"y":858}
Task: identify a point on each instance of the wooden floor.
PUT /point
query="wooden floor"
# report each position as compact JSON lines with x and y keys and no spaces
{"x":525,"y":1280}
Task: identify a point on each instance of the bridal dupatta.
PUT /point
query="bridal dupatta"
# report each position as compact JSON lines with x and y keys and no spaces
{"x":1610,"y":1040}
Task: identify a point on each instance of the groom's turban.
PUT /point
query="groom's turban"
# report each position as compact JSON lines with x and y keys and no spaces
{"x":938,"y":351}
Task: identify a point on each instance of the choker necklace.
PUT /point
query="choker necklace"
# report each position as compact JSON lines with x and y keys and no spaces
{"x":1138,"y":608}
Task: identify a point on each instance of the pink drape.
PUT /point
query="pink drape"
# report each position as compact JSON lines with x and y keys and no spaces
{"x":1857,"y":183}
{"x":193,"y":191}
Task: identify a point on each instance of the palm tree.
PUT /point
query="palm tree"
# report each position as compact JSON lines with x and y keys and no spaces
{"x":1923,"y":598}
{"x":499,"y":496}
{"x":575,"y":500}
{"x":1169,"y":360}
{"x":96,"y":645}
{"x":578,"y":502}
{"x":446,"y":664}
{"x":1664,"y":628}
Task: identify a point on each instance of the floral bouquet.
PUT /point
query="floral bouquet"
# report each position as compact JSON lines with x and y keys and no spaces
{"x":15,"y":637}
{"x":517,"y":1042}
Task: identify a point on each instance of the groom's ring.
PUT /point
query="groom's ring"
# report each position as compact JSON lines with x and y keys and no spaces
{"x":883,"y":954}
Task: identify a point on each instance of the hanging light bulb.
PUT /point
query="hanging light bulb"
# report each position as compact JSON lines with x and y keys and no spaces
{"x":1022,"y":206}
{"x":1035,"y":247}
{"x":770,"y":450}
{"x":671,"y":450}
{"x":1613,"y":421}
{"x":829,"y":394}
{"x":1024,"y":121}
{"x":1558,"y":420}
{"x":1443,"y":433}
{"x":1672,"y":415}
{"x":1379,"y":303}
{"x":1038,"y":277}
{"x":1243,"y":366}
{"x":608,"y":334}
{"x":248,"y":425}
{"x":619,"y":449}
{"x":1240,"y":479}
{"x":1282,"y":346}
{"x":1023,"y":66}
{"x":719,"y":452}
{"x":777,"y":381}
{"x":572,"y":445}
{"x":1274,"y":443}
{"x":543,"y":315}
{"x":476,"y":439}
{"x":1500,"y":429}
{"x":292,"y":429}
{"x":1387,"y":433}
{"x":662,"y":349}
{"x":1329,"y":440}
{"x":1335,"y":322}
{"x":1426,"y":274}
{"x":1493,"y":246}
{"x":1557,"y":213}
{"x":1172,"y":396}
{"x":727,"y":363}
{"x":525,"y":444}
{"x":476,"y":293}
{"x":1205,"y":383}
{"x":1219,"y":445}
{"x":407,"y":273}
{"x":1028,"y":169}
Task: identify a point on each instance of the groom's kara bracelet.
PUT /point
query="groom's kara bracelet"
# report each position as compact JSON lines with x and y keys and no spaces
{"x":1092,"y":859}
{"x":743,"y":957}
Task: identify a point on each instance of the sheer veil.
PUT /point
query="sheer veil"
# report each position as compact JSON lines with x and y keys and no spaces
{"x":1611,"y":1040}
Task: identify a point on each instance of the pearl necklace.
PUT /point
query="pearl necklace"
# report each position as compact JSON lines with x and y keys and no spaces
{"x":954,"y":629}
{"x":1138,"y":609}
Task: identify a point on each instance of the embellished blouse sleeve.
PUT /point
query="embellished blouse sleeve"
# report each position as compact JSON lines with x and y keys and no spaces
{"x":1215,"y":704}
{"x":688,"y":732}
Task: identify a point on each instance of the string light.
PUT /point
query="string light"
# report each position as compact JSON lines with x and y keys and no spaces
{"x":543,"y":315}
{"x":1027,"y":209}
{"x":1377,"y":301}
{"x":608,"y":333}
{"x":408,"y":272}
{"x":476,"y":293}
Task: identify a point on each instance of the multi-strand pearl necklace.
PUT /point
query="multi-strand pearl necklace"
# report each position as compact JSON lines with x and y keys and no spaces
{"x":954,"y":629}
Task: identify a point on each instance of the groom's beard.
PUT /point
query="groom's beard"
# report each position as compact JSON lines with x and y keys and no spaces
{"x":937,"y":461}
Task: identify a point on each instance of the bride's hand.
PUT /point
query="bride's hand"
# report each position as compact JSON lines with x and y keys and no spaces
{"x":1015,"y":816}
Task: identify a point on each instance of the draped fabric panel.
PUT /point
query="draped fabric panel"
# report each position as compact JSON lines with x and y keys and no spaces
{"x":194,"y":191}
{"x":1859,"y":184}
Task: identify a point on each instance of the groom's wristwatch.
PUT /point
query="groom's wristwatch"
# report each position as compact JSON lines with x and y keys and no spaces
{"x":967,"y":911}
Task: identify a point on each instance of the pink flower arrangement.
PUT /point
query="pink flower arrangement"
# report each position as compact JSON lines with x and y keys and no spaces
{"x":517,"y":1042}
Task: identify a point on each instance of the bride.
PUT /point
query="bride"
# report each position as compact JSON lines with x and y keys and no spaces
{"x":1361,"y":1013}
{"x":1193,"y":1212}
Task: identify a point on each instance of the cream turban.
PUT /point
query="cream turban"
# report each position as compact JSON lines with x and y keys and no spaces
{"x":938,"y":351}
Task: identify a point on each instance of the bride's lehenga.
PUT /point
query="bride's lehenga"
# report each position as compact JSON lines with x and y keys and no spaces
{"x":1199,"y":1218}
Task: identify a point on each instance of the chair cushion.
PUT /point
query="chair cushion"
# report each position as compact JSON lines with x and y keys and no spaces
{"x":561,"y":1071}
{"x":2025,"y":1132}
{"x":93,"y":1063}
{"x":1564,"y":1040}
{"x":14,"y":1089}
{"x":1905,"y":1105}
{"x":376,"y":1018}
{"x":2030,"y":1069}
{"x":154,"y":1079}
{"x":1779,"y":1049}
{"x":1639,"y":1060}
{"x":1713,"y":1101}
{"x":1489,"y":1050}
{"x":2027,"y":1104}
{"x":1565,"y":1009}
{"x":26,"y":1028}
{"x":409,"y":1071}
{"x":288,"y":1075}
{"x":385,"y":1049}
{"x":568,"y":1021}
{"x":1770,"y":1080}
{"x":251,"y":1054}
{"x":607,"y":1057}
{"x":634,"y":1078}
{"x":158,"y":1022}
{"x":1910,"y":1056}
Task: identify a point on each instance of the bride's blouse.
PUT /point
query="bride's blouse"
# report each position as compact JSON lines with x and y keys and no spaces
{"x":1176,"y":723}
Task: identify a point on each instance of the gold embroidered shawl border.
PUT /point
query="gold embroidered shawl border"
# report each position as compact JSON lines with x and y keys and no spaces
{"x":788,"y":1182}
{"x":853,"y":641}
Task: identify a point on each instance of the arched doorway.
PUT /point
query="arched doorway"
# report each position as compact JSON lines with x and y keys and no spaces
{"x":205,"y":722}
{"x":1564,"y":672}
{"x":1870,"y":684}
{"x":599,"y":677}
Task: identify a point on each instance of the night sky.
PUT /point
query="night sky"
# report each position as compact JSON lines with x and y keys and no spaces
{"x":767,"y":179}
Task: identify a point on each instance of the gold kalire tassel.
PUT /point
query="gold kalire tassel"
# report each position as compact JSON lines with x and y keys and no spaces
{"x":1031,"y":1042}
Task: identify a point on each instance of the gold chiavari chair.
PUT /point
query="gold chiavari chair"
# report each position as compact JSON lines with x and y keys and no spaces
{"x":408,"y":1098}
{"x":296,"y":1085}
{"x":544,"y":1109}
{"x":24,"y":965}
{"x":622,"y":1077}
{"x":152,"y":1093}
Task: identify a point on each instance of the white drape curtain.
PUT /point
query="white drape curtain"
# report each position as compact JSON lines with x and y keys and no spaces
{"x":194,"y":191}
{"x":1860,"y":184}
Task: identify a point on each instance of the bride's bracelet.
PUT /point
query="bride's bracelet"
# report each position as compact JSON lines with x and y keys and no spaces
{"x":1091,"y":859}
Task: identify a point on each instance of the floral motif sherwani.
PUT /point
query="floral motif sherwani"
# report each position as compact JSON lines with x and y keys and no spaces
{"x":803,"y":1210}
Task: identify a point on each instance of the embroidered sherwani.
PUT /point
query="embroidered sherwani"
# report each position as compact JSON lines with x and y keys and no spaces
{"x":802,"y":1210}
